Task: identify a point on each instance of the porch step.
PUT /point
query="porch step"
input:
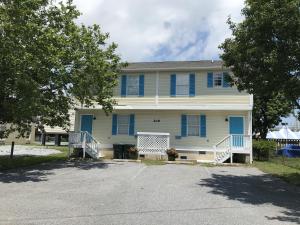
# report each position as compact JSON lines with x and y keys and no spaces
{"x":85,"y":141}
{"x":222,"y":156}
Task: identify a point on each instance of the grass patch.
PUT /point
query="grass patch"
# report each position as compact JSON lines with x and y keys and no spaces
{"x":23,"y":161}
{"x":150,"y":162}
{"x":287,"y":169}
{"x":208,"y":164}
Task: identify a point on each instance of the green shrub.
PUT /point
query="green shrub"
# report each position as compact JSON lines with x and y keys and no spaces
{"x":172,"y":154}
{"x":133,"y":153}
{"x":263,"y":149}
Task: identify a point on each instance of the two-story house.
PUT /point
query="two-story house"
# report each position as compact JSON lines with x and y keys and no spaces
{"x":188,"y":102}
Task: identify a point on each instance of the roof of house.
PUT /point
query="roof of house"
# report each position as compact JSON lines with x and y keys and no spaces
{"x":172,"y":65}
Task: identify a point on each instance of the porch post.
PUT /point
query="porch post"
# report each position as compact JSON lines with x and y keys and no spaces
{"x":250,"y":135}
{"x":84,"y":143}
{"x":215,"y":154}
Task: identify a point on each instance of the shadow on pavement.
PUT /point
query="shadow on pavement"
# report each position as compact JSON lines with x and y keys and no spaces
{"x":258,"y":190}
{"x":40,"y":172}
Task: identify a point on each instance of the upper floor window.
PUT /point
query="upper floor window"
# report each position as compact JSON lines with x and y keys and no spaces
{"x":182,"y":85}
{"x":218,"y":80}
{"x":133,"y":85}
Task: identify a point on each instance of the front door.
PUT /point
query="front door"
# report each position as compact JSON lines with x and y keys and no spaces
{"x":87,"y":123}
{"x":236,"y":129}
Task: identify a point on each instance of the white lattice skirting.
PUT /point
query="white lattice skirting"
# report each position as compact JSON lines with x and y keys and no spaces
{"x":153,"y":143}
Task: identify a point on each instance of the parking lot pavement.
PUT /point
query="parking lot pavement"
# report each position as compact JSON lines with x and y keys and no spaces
{"x":133,"y":193}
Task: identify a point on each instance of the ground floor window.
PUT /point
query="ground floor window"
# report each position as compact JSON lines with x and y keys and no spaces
{"x":193,"y":123}
{"x":123,"y":124}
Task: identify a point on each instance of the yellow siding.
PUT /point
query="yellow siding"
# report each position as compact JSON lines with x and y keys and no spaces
{"x":164,"y":85}
{"x":204,"y":95}
{"x":21,"y":140}
{"x":170,"y":122}
{"x":198,"y":100}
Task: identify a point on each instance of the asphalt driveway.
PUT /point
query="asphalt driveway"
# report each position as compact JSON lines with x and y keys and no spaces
{"x":132,"y":193}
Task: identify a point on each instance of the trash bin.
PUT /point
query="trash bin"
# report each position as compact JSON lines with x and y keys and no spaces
{"x":118,"y":151}
{"x":121,"y":151}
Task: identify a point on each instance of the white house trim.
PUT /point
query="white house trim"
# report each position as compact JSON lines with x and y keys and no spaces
{"x":236,"y":107}
{"x":173,"y":69}
{"x":157,"y":88}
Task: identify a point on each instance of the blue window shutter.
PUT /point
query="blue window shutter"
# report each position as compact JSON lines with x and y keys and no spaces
{"x":131,"y":124}
{"x":183,"y":125}
{"x":141,"y":85}
{"x":225,"y":80}
{"x":114,"y":124}
{"x":210,"y":80}
{"x":192,"y":84}
{"x":202,"y":126}
{"x":123,"y":85}
{"x":173,"y":85}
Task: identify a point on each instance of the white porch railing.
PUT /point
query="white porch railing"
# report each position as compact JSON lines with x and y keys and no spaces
{"x":153,"y":143}
{"x":234,"y":143}
{"x":86,"y":141}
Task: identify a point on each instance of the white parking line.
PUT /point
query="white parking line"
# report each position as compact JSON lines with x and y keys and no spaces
{"x":207,"y":171}
{"x":138,"y":173}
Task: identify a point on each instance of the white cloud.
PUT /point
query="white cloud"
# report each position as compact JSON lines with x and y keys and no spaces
{"x":163,"y":29}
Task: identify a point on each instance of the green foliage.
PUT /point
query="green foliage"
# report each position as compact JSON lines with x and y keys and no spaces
{"x":288,"y":170}
{"x":133,"y":153}
{"x":264,"y":55}
{"x":153,"y":162}
{"x":49,"y":64}
{"x":172,"y":154}
{"x":24,"y":161}
{"x":263,"y":150}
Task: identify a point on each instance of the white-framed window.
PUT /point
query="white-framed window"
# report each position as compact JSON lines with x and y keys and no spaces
{"x":218,"y":80}
{"x":182,"y":85}
{"x":193,"y":123}
{"x":133,"y":85}
{"x":123,"y":124}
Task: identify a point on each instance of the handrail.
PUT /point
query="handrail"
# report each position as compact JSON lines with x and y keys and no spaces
{"x":230,"y":144}
{"x":86,"y":140}
{"x":223,"y":140}
{"x":91,"y":137}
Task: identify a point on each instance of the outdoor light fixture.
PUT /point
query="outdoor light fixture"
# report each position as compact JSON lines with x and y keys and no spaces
{"x":226,"y":119}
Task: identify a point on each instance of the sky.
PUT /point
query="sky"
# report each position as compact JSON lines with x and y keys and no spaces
{"x":159,"y":30}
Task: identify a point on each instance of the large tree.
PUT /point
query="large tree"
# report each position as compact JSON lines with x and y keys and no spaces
{"x":264,"y":55}
{"x":48,"y":64}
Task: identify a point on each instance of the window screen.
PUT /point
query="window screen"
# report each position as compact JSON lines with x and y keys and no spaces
{"x":123,"y":124}
{"x":182,"y":85}
{"x":193,"y":125}
{"x":132,"y":85}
